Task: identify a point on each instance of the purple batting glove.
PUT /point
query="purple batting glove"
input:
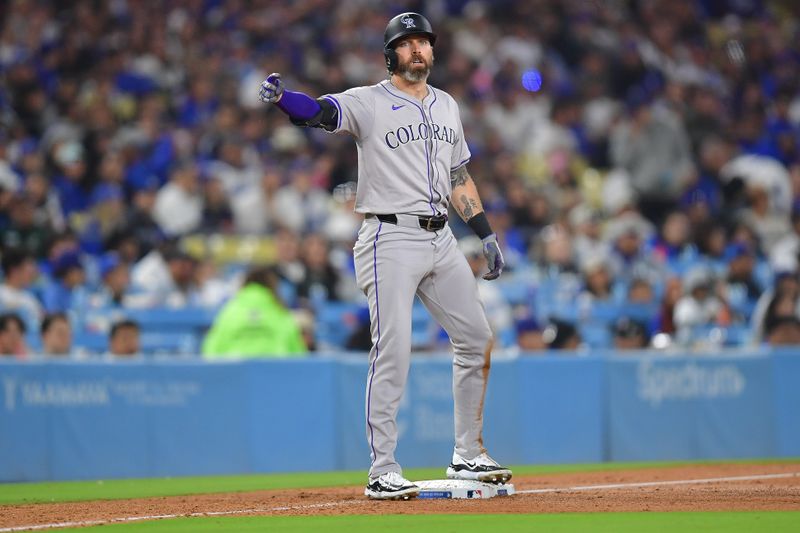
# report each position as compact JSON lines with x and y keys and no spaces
{"x":494,"y":257}
{"x":271,"y":89}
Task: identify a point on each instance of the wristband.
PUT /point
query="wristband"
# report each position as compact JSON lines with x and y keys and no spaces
{"x":480,"y":225}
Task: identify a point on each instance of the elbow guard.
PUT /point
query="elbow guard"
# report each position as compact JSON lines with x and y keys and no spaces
{"x":326,"y":118}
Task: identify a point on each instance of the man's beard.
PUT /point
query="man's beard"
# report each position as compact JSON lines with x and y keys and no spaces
{"x":414,"y":75}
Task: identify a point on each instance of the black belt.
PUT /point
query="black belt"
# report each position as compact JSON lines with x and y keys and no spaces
{"x":434,"y":223}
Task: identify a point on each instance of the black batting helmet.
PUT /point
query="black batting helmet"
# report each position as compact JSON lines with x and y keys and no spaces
{"x":400,"y":26}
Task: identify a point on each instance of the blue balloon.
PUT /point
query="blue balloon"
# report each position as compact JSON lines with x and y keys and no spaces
{"x":532,"y":80}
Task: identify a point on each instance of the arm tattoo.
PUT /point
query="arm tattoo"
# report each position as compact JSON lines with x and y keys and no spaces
{"x":459,"y":176}
{"x":470,"y":206}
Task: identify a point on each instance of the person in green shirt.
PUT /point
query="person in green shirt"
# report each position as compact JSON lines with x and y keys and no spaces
{"x":254,"y":323}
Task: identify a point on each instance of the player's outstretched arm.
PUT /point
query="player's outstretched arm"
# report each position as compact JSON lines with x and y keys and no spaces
{"x":301,"y":108}
{"x":467,"y":204}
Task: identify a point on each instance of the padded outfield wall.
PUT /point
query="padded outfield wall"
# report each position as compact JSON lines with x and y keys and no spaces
{"x":83,"y":420}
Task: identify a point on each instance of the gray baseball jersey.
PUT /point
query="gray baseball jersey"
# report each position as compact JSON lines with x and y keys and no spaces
{"x":406,"y":151}
{"x":406,"y":148}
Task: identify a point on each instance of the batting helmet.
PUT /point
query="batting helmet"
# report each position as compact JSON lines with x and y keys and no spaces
{"x":400,"y":26}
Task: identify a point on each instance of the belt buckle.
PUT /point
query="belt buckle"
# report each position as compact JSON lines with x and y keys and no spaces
{"x":435,"y":223}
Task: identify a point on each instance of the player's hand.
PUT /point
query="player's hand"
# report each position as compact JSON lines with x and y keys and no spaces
{"x":271,"y":89}
{"x":494,"y":257}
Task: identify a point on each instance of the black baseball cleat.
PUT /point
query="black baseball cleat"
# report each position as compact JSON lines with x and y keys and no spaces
{"x":391,"y":486}
{"x":481,"y":468}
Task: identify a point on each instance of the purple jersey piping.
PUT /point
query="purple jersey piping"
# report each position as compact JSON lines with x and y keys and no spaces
{"x":433,"y":140}
{"x":427,"y":157}
{"x":338,"y":108}
{"x":460,"y":164}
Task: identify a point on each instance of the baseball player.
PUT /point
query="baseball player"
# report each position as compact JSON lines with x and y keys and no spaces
{"x":412,"y":159}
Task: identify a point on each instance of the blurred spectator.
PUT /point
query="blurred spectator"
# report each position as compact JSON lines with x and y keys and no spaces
{"x":554,"y":252}
{"x":597,"y":280}
{"x":711,"y":240}
{"x":70,"y":180}
{"x":23,"y":230}
{"x":320,"y":280}
{"x":672,"y":246}
{"x":165,"y":279}
{"x":217,"y":214}
{"x":742,"y":288}
{"x":757,"y":175}
{"x":586,"y":224}
{"x":498,"y":311}
{"x":785,"y":331}
{"x":299,"y":206}
{"x":786,"y":251}
{"x":67,"y":290}
{"x":305,"y":321}
{"x":124,"y":339}
{"x":626,"y":235}
{"x":530,"y":336}
{"x":768,"y":223}
{"x":561,"y":335}
{"x":254,"y":323}
{"x":360,"y":339}
{"x":288,"y":265}
{"x":56,"y":335}
{"x":178,"y":207}
{"x":653,"y":147}
{"x":12,"y":336}
{"x":629,"y":334}
{"x":103,"y":220}
{"x":47,"y":208}
{"x":640,"y":291}
{"x":665,"y":320}
{"x":140,"y":233}
{"x":699,"y":306}
{"x":773,"y":302}
{"x":19,"y":274}
{"x":114,"y":284}
{"x":239,"y":171}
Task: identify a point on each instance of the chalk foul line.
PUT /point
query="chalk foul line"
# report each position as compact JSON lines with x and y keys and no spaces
{"x":123,"y":519}
{"x":611,"y":486}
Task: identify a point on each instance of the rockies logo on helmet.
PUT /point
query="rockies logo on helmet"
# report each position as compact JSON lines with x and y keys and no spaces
{"x":409,"y":22}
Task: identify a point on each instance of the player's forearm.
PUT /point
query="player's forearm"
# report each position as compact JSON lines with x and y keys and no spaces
{"x":466,"y":200}
{"x":467,"y":203}
{"x":299,"y":106}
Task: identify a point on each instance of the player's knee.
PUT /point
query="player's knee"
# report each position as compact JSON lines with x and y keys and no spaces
{"x":479,"y":343}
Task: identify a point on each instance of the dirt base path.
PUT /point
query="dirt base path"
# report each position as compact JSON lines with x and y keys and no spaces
{"x":766,"y":494}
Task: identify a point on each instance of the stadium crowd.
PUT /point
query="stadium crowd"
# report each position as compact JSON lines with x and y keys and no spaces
{"x":639,"y":160}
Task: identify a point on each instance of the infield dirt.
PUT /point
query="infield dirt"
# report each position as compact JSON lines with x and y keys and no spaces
{"x":761,"y":495}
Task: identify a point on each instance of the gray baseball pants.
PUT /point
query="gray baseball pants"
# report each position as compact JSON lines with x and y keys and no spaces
{"x":393,"y":263}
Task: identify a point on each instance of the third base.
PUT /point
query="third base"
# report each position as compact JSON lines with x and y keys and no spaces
{"x":462,"y":489}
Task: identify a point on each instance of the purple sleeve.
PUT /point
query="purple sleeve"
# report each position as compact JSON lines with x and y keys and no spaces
{"x":298,"y":105}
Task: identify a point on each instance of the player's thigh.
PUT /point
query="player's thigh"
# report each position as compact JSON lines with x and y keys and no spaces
{"x":390,"y":264}
{"x":451,"y":296}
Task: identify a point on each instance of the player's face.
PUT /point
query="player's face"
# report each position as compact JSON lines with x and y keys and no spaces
{"x":414,"y":58}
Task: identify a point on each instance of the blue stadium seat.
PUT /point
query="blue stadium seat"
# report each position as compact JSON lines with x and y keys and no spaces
{"x":335,"y":322}
{"x":595,"y":334}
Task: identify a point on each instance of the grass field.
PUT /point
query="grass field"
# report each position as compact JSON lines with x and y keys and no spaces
{"x":740,"y":522}
{"x":28,"y":493}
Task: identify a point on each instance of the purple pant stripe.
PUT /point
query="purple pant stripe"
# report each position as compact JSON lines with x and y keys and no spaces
{"x":378,"y":342}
